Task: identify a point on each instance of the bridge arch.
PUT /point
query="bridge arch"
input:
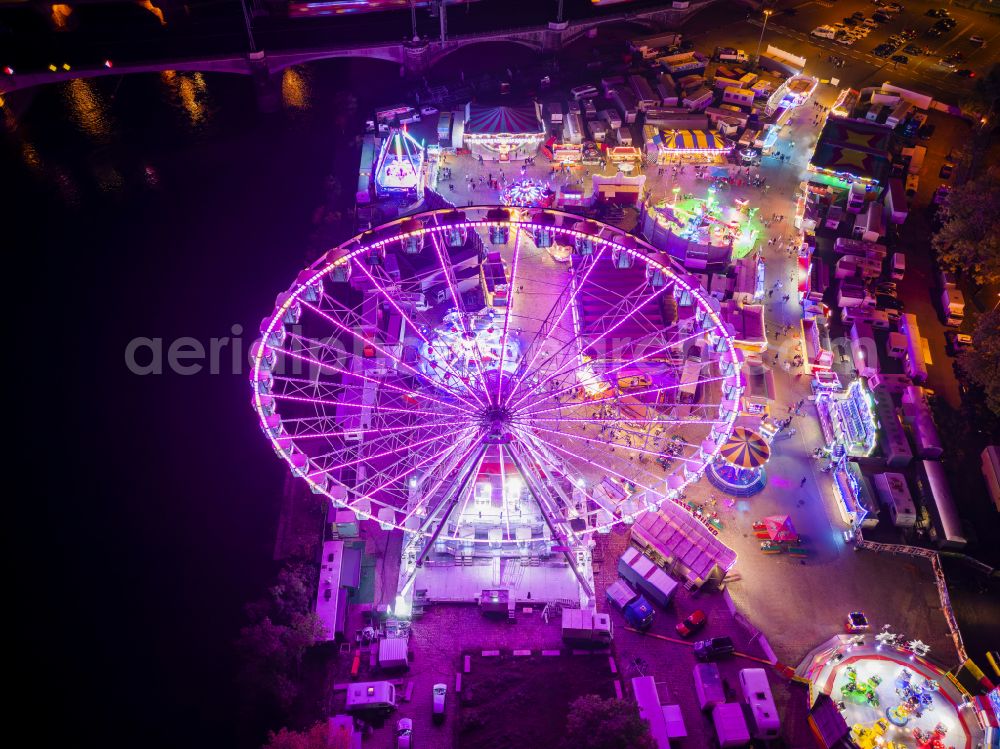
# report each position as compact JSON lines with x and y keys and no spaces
{"x":438,"y":54}
{"x":276,"y":63}
{"x":575,"y":33}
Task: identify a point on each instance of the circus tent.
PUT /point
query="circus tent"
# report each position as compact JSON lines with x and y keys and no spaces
{"x":503,"y":133}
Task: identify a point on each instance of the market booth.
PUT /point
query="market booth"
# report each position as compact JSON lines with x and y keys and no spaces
{"x":687,"y":146}
{"x":503,"y":133}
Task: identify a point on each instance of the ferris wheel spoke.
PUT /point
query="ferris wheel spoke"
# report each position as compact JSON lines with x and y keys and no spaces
{"x":618,"y":368}
{"x":446,"y":475}
{"x":512,"y":284}
{"x":593,"y":441}
{"x":545,"y":329}
{"x":579,"y":485}
{"x":615,"y":396}
{"x":396,"y":473}
{"x":365,"y":342}
{"x":415,"y":327}
{"x":367,"y":457}
{"x":601,"y":465}
{"x":581,"y":336}
{"x":379,"y":430}
{"x":449,"y":274}
{"x":380,"y":383}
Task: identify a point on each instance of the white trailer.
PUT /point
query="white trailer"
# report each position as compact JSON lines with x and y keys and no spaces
{"x":371,"y":696}
{"x":764,"y":722}
{"x":650,"y":709}
{"x":895,"y":495}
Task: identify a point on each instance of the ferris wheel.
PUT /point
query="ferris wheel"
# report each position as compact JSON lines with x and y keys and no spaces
{"x":496,"y":376}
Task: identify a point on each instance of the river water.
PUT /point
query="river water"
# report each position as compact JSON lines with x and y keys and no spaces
{"x":165,"y":207}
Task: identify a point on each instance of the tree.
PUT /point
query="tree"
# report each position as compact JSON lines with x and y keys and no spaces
{"x":271,"y":656}
{"x":982,"y":363}
{"x":969,"y":237}
{"x":294,"y":592}
{"x":312,"y":738}
{"x":595,"y":723}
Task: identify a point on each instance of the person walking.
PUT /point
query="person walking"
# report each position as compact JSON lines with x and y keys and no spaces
{"x":802,"y":482}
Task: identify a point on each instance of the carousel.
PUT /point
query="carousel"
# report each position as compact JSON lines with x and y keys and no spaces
{"x":528,"y":193}
{"x":739,"y":468}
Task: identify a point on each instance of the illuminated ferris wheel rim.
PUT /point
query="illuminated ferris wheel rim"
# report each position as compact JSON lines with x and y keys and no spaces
{"x":437,"y":222}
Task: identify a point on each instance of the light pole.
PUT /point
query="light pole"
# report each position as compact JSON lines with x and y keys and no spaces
{"x":767,"y":14}
{"x":246,"y":20}
{"x":559,"y":14}
{"x":413,"y":19}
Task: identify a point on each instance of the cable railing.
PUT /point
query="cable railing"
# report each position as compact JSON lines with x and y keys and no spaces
{"x":939,"y":579}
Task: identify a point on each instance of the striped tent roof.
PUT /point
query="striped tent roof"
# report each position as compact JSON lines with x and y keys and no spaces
{"x":745,"y":449}
{"x":688,"y":140}
{"x":502,"y":120}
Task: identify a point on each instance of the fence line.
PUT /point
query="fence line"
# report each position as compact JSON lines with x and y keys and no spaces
{"x":942,"y":584}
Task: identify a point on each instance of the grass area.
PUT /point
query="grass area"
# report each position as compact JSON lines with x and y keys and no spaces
{"x":523,"y":701}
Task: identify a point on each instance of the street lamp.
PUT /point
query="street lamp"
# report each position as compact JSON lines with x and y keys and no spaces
{"x":767,"y":14}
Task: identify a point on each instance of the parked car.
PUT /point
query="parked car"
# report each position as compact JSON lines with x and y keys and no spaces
{"x":440,"y":694}
{"x":937,"y":13}
{"x":946,"y":170}
{"x":901,"y":59}
{"x":886,"y":287}
{"x":933,"y":33}
{"x":858,"y":15}
{"x":882,"y":17}
{"x":895,"y":7}
{"x":966,"y":73}
{"x":926,"y":132}
{"x":955,"y":342}
{"x":714,"y":649}
{"x":887,"y":302}
{"x":693,"y":623}
{"x":913,"y":49}
{"x":977,"y":40}
{"x":404,"y":733}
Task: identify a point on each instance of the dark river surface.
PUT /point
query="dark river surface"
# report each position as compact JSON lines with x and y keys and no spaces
{"x":158,"y":206}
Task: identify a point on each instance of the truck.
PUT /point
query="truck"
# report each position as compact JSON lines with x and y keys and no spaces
{"x":952,"y":306}
{"x":640,"y":571}
{"x":637,"y":610}
{"x":586,"y":627}
{"x":652,"y":46}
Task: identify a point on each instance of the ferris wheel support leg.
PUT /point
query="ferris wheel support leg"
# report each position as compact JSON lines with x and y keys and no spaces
{"x":463,"y":487}
{"x":538,"y":494}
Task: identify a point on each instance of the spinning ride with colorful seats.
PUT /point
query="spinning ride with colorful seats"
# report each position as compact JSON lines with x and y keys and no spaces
{"x":874,"y":737}
{"x":861,"y":692}
{"x":915,"y":698}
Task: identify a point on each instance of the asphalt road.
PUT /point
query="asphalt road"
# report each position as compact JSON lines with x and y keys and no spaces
{"x":861,"y":68}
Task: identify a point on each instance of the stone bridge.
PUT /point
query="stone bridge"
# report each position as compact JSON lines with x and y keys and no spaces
{"x":415,"y":57}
